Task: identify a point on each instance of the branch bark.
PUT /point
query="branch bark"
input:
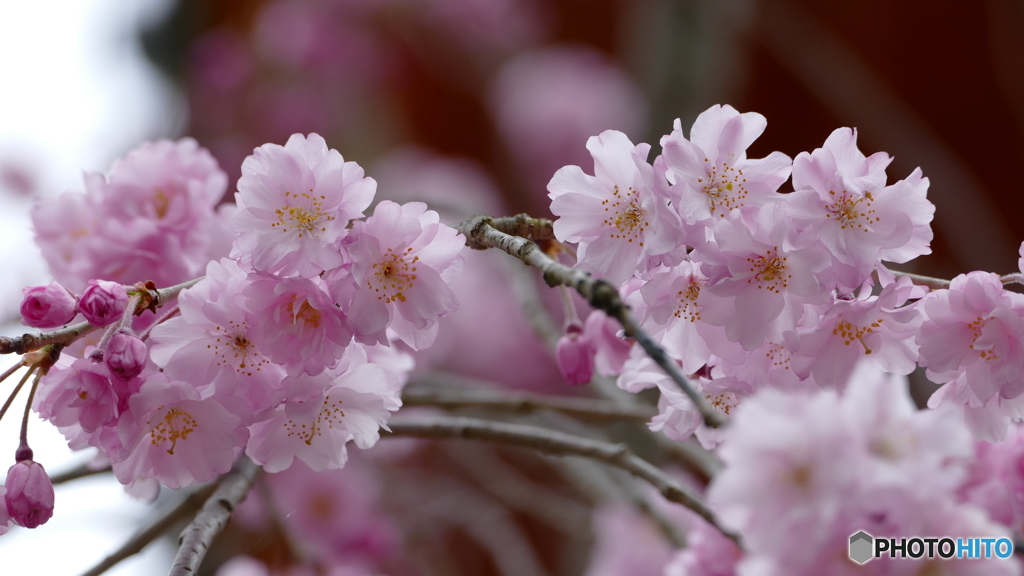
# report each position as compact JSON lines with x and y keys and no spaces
{"x":481,"y":234}
{"x":68,"y":334}
{"x":521,"y":402}
{"x":195,"y":539}
{"x":138,"y":542}
{"x":557,"y":443}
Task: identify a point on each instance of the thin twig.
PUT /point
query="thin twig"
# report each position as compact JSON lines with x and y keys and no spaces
{"x":195,"y":539}
{"x":138,"y":542}
{"x":83,"y":471}
{"x":928,"y":281}
{"x":522,"y":402}
{"x":68,"y":334}
{"x":558,"y":443}
{"x":480,"y":235}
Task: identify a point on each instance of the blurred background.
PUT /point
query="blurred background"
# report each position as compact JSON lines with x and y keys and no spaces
{"x":472,"y":105}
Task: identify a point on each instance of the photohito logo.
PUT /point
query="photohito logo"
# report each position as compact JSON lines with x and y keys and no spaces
{"x":864,"y":547}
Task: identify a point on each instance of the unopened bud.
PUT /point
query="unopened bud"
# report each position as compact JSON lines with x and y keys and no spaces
{"x":29,"y":497}
{"x":48,"y":306}
{"x":103,"y":302}
{"x":575,"y":356}
{"x":125,"y":356}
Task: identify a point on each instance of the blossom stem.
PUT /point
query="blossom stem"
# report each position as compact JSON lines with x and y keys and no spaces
{"x":23,"y":448}
{"x":571,"y":317}
{"x":17,"y":389}
{"x":933,"y":283}
{"x":1014,"y":278}
{"x":557,"y":443}
{"x":481,"y":235}
{"x":171,"y":313}
{"x":195,"y":539}
{"x":10,"y":371}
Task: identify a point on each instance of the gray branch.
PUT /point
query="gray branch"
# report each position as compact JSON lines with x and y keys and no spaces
{"x":556,"y":443}
{"x":521,"y":402}
{"x":68,"y":334}
{"x":481,"y":234}
{"x":138,"y":542}
{"x":195,"y":539}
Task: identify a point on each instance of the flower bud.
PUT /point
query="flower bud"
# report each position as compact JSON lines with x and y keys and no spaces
{"x":103,"y":302}
{"x":575,"y":356}
{"x":125,"y":356}
{"x":48,"y":306}
{"x":29,"y":495}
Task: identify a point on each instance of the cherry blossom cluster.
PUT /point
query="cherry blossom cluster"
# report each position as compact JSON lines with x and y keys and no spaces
{"x":293,"y":343}
{"x":780,"y":307}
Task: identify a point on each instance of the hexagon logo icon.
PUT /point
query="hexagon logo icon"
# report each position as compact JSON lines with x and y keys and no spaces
{"x":861,"y":545}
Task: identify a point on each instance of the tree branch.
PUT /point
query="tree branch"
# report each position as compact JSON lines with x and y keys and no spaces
{"x":195,"y":539}
{"x":83,"y":471}
{"x":480,"y":235}
{"x":557,"y":443}
{"x":928,"y":281}
{"x":68,"y":334}
{"x":136,"y":544}
{"x":522,"y":402}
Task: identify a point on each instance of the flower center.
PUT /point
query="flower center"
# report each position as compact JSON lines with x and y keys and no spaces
{"x":307,"y":217}
{"x":724,"y":188}
{"x":769,"y":271}
{"x":686,"y":302}
{"x":627,"y":216}
{"x":976,"y":328}
{"x":850,"y":332}
{"x":161,"y":203}
{"x":330,"y":414}
{"x":233,"y":348}
{"x":725,"y":402}
{"x":393,"y":275}
{"x":849,"y":212}
{"x":175,"y":425}
{"x":306,"y":313}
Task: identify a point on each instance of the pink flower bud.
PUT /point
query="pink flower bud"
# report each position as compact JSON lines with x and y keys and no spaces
{"x":125,"y":356}
{"x":103,"y":302}
{"x":29,"y":495}
{"x":575,"y":356}
{"x":48,"y":306}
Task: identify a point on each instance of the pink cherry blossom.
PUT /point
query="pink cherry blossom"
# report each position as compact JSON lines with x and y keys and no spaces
{"x":29,"y":496}
{"x":973,"y":334}
{"x":575,"y":356}
{"x":876,"y":329}
{"x":761,"y":273}
{"x":626,"y":542}
{"x":126,"y":356}
{"x":172,"y":435}
{"x":295,"y":203}
{"x":842,"y":196}
{"x":620,"y":215}
{"x":321,"y":414}
{"x":48,"y":306}
{"x":611,"y":349}
{"x":711,"y":174}
{"x":150,"y":219}
{"x":80,"y":393}
{"x":403,"y":259}
{"x":103,"y":302}
{"x":294,"y":322}
{"x":211,"y":344}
